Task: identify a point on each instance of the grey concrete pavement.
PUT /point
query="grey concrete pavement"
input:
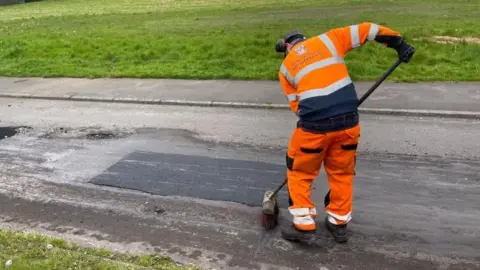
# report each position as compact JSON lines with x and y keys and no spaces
{"x":415,"y":192}
{"x":419,"y":98}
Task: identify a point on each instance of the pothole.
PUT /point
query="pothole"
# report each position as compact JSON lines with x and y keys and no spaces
{"x":84,"y":133}
{"x":7,"y":132}
{"x":100,"y":135}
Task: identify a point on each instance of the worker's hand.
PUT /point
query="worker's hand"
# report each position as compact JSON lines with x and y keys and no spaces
{"x":405,"y":51}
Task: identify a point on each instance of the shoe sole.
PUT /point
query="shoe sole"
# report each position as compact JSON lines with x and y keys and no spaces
{"x":297,"y":239}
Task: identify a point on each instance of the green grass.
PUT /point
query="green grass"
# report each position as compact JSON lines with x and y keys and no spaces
{"x":233,"y":39}
{"x":30,"y":251}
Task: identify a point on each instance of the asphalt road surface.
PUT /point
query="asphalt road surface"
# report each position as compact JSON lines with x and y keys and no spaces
{"x":187,"y":183}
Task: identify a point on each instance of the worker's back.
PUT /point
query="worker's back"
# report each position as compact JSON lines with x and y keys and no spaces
{"x":315,"y":67}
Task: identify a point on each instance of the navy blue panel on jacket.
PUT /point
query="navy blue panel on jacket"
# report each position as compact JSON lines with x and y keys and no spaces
{"x":339,"y":102}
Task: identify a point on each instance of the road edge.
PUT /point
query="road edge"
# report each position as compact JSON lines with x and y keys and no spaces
{"x":244,"y":105}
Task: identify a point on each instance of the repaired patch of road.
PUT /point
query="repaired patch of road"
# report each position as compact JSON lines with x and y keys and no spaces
{"x":203,"y":177}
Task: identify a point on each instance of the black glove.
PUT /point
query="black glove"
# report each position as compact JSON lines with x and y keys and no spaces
{"x":405,"y":51}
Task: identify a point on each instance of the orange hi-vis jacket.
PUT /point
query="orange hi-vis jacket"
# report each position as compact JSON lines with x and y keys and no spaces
{"x":314,"y":76}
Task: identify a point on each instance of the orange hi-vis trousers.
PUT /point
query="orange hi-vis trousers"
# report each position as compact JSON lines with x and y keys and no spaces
{"x":306,"y":152}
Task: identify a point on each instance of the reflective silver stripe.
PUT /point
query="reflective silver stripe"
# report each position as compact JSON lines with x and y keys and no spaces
{"x":320,"y":64}
{"x":354,"y":36}
{"x":291,"y":97}
{"x":332,"y":220}
{"x":327,"y":90}
{"x":307,"y":220}
{"x":328,"y":42}
{"x":346,"y":217}
{"x":299,"y":211}
{"x":373,"y":31}
{"x":285,"y":72}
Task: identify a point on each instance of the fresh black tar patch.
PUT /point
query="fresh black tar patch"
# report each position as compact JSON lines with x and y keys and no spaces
{"x":196,"y":176}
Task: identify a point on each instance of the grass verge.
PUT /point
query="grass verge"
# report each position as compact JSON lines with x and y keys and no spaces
{"x":231,"y":39}
{"x":32,"y":251}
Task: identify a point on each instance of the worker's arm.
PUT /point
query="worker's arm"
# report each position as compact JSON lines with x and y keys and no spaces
{"x":290,"y":92}
{"x":354,"y":36}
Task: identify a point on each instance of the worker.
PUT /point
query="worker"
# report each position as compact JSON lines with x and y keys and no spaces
{"x":320,"y":92}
